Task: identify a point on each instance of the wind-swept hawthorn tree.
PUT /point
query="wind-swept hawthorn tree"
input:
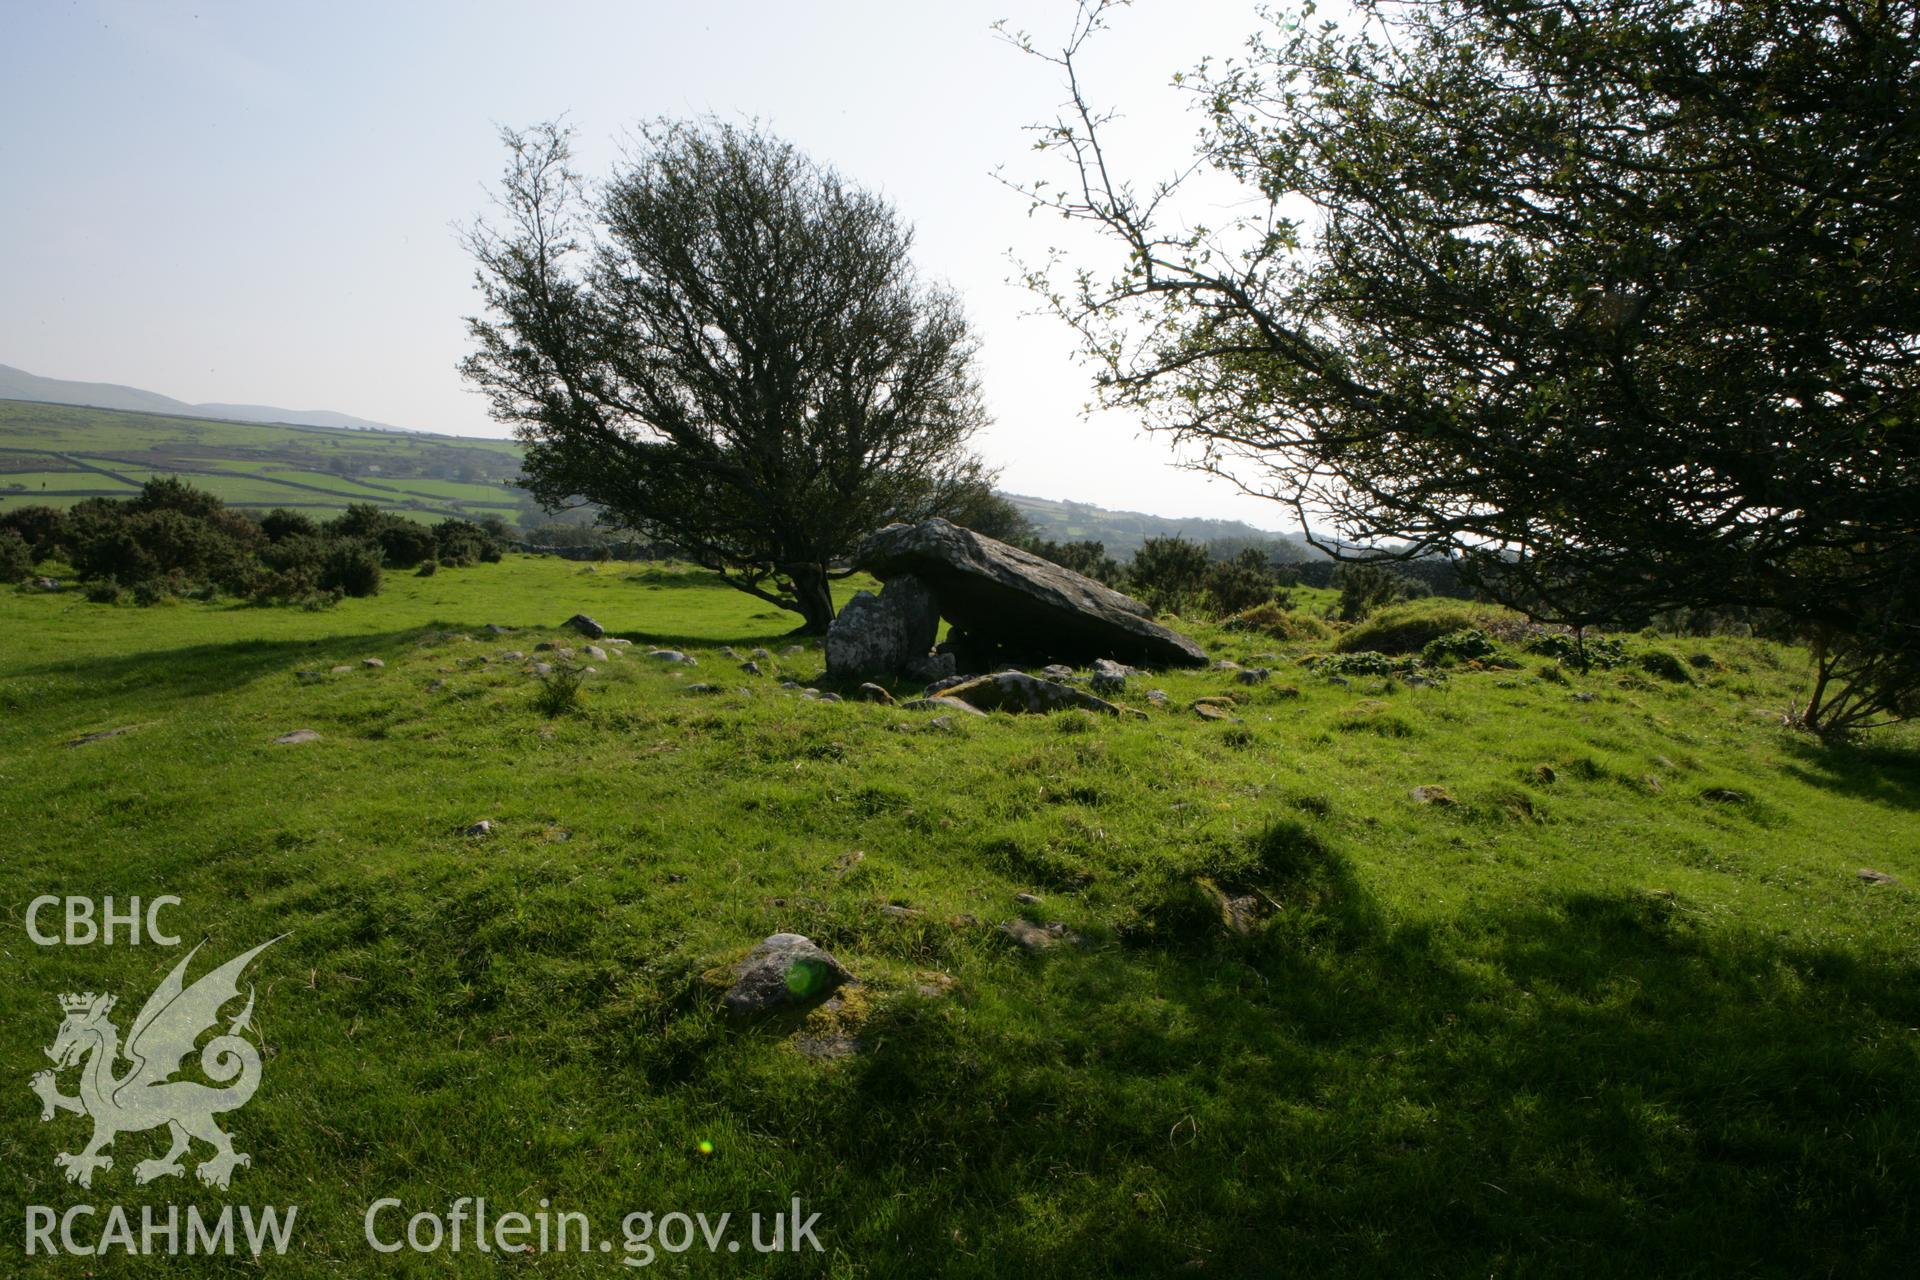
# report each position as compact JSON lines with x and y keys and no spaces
{"x":726,"y":346}
{"x":1616,"y":300}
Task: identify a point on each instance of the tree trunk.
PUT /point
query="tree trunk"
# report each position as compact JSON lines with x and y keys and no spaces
{"x":813,"y":592}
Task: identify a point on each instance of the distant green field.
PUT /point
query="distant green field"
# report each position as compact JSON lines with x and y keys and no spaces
{"x":62,"y":454}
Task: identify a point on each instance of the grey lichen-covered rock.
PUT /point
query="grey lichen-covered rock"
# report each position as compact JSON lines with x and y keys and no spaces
{"x":1018,"y":691}
{"x":874,"y":693}
{"x":673,"y":655}
{"x":296,"y":737}
{"x":585,"y":626}
{"x":940,"y":703}
{"x":1252,"y":675}
{"x":935,"y":666}
{"x":1015,"y":598}
{"x":784,"y":971}
{"x":879,"y":635}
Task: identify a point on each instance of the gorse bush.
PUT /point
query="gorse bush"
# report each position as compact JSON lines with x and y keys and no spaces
{"x":1274,"y":620}
{"x":1596,"y":651}
{"x":16,"y":557}
{"x":174,"y":540}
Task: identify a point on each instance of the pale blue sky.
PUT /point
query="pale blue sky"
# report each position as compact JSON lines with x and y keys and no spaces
{"x":254,"y":202}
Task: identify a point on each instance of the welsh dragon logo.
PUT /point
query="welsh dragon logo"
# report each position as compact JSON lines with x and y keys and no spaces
{"x":145,"y":1096}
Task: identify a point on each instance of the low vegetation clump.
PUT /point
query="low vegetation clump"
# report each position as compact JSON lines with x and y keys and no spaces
{"x":173,"y":540}
{"x":1271,"y":619}
{"x":1580,"y":652}
{"x":1411,"y":627}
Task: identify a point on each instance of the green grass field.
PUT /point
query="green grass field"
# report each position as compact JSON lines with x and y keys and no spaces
{"x":1624,"y":1008}
{"x":60,"y":454}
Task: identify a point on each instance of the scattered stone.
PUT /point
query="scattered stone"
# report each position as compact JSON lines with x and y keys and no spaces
{"x":1871,"y":876}
{"x":673,"y":655}
{"x":785,"y":970}
{"x":296,"y":737}
{"x":1239,"y":913}
{"x":789,"y":684}
{"x":101,"y":736}
{"x":728,"y":651}
{"x":762,"y":655}
{"x":793,"y":651}
{"x":1018,"y":691}
{"x":943,"y":703}
{"x":897,"y":912}
{"x":1252,"y":675}
{"x":1286,"y":691}
{"x":1158,"y":697}
{"x":435,"y":686}
{"x":847,"y":861}
{"x":827,"y":1048}
{"x":616,"y":640}
{"x":750,"y":667}
{"x":512,"y":655}
{"x":1225,"y":664}
{"x":494,"y":628}
{"x":703,"y":688}
{"x":309,"y":677}
{"x":940,"y":686}
{"x":1031,"y":937}
{"x":585,"y":626}
{"x":1433,"y":795}
{"x":1209,"y":710}
{"x":372,"y":664}
{"x":874,"y":693}
{"x":878,"y":635}
{"x":1342,"y":681}
{"x":1030,"y":899}
{"x":594,"y":653}
{"x":541,"y":669}
{"x":46,"y":584}
{"x":1013,"y":597}
{"x":1585,"y":695}
{"x":1726,"y":795}
{"x":1545,"y":775}
{"x":484,"y":827}
{"x":674,"y":877}
{"x":545,"y":646}
{"x":1058,"y":671}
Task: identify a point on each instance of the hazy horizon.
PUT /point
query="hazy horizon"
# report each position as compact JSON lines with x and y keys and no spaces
{"x":222,"y":203}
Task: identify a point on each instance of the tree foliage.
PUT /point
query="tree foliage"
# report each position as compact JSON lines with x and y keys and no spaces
{"x":1614,"y":300}
{"x":726,"y":346}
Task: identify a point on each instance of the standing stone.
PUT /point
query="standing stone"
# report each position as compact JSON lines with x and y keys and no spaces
{"x":880,"y":635}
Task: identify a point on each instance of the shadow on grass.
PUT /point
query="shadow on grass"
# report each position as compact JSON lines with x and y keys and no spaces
{"x":1595,"y":1085}
{"x":1865,"y":770}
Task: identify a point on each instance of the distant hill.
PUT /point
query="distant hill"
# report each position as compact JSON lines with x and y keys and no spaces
{"x":18,"y":384}
{"x":1124,"y":531}
{"x":59,"y":454}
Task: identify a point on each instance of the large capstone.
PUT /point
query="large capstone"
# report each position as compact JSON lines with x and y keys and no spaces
{"x":883,"y":634}
{"x":1020,"y":602}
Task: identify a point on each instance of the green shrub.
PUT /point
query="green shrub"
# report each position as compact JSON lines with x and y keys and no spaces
{"x":152,"y":591}
{"x":1407,"y":628}
{"x":1365,"y":663}
{"x":1599,"y":651}
{"x":16,"y":557}
{"x":559,"y":691}
{"x":281,"y":524}
{"x":352,"y":567}
{"x":1464,"y":645}
{"x":104,"y":591}
{"x":404,"y":544}
{"x":427,"y":569}
{"x":43,"y":529}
